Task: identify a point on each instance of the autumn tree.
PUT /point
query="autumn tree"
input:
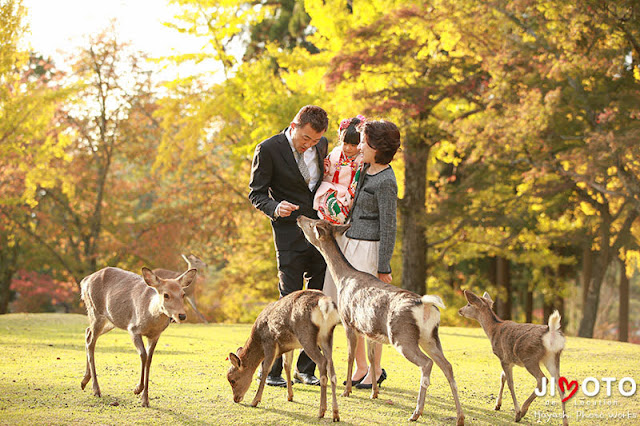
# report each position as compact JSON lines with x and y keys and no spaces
{"x":29,"y":141}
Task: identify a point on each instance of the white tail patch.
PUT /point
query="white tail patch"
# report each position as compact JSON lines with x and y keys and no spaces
{"x":325,"y":316}
{"x":433,"y":300}
{"x":553,"y":341}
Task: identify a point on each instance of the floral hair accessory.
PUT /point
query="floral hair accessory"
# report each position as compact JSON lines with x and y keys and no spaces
{"x":345,"y":123}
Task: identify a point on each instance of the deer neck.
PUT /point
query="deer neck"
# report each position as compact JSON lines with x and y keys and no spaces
{"x":339,"y":266}
{"x":490,"y":322}
{"x":252,"y":353}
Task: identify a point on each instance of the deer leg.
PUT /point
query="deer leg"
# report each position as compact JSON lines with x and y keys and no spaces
{"x":87,"y":372}
{"x":534,"y":369}
{"x":412,"y":352}
{"x":287,"y":362}
{"x":92,"y":333}
{"x":327,"y":350}
{"x":373,"y":349}
{"x":352,"y":342}
{"x":139,"y":344}
{"x":435,"y":352}
{"x":310,"y":345}
{"x":151,"y":347}
{"x":553,"y":365}
{"x":503,"y":378}
{"x":269,"y":357}
{"x":508,"y":371}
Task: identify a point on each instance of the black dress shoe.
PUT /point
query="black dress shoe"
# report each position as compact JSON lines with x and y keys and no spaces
{"x":381,"y":379}
{"x":307,"y":379}
{"x":276,"y":381}
{"x":355,"y":382}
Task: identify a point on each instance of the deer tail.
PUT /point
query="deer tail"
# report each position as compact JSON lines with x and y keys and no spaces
{"x":553,"y":340}
{"x":432,"y":300}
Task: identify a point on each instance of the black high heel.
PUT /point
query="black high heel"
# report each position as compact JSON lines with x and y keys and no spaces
{"x":355,"y":382}
{"x":381,"y":379}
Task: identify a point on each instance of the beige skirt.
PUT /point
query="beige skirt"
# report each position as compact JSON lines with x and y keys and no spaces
{"x":361,"y":254}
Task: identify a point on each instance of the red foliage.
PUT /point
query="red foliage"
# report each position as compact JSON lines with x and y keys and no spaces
{"x":40,"y":292}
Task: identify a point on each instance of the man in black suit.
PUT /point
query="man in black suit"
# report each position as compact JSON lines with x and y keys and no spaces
{"x":286,"y":172}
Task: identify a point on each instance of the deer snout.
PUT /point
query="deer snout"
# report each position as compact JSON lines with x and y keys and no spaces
{"x":182,"y":317}
{"x":237,"y":399}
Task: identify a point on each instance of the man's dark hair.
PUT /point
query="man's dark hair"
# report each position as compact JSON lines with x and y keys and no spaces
{"x":314,"y":115}
{"x":384,"y":137}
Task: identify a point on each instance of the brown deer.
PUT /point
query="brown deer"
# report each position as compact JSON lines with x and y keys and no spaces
{"x":525,"y":345}
{"x":142,"y":305}
{"x":383,"y":313}
{"x":193,"y":262}
{"x":302,"y":319}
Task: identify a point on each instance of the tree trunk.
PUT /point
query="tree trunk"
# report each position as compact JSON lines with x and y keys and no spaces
{"x":528,"y":305}
{"x":623,"y":308}
{"x":590,"y":310}
{"x":587,"y":270}
{"x":412,"y":209}
{"x":8,"y":267}
{"x":503,"y":281}
{"x":603,"y":258}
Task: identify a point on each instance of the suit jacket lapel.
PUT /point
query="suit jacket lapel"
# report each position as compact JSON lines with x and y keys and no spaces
{"x":287,"y":155}
{"x":320,"y":161}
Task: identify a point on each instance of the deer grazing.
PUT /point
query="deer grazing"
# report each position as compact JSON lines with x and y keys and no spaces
{"x":383,"y":313}
{"x":526,"y":345}
{"x":302,"y":319}
{"x":142,"y":305}
{"x":193,"y":262}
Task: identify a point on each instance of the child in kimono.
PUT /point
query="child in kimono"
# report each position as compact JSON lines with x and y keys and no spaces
{"x":334,"y":197}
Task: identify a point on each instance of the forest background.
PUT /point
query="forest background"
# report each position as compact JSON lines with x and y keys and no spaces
{"x":519,"y":172}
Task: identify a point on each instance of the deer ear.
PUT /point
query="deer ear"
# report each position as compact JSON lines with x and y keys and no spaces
{"x":187,"y":278}
{"x":149,"y":277}
{"x":185,"y":258}
{"x":486,"y":296}
{"x":318,"y":232}
{"x":235,"y":361}
{"x":471,"y":298}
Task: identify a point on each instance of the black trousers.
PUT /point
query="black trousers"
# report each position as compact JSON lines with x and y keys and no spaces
{"x":294,"y":268}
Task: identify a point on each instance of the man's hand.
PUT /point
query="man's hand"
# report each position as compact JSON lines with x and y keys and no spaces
{"x":285,"y":208}
{"x":385,"y":278}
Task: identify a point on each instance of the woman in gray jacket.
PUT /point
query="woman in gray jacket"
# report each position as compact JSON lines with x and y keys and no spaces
{"x":369,"y":242}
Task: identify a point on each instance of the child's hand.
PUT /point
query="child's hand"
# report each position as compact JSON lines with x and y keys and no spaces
{"x":327,"y":166}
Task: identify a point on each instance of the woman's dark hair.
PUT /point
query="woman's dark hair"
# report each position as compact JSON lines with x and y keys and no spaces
{"x":384,"y":137}
{"x":314,"y":115}
{"x":350,"y":135}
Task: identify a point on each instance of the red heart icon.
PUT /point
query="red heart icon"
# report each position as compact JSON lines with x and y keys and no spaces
{"x":565,"y":385}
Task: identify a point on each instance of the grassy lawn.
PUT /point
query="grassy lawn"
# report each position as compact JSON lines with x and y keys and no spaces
{"x":42,"y":360}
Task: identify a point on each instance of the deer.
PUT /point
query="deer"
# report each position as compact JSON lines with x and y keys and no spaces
{"x":142,"y":305}
{"x":193,"y":262}
{"x":522,"y":344}
{"x":383,"y":313}
{"x":302,"y":319}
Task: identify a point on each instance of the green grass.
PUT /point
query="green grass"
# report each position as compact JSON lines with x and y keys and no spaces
{"x":42,"y":360}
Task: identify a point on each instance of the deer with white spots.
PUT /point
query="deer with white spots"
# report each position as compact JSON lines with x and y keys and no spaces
{"x":383,"y":313}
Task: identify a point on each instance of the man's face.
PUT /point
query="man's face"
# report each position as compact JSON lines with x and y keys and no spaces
{"x":304,"y":137}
